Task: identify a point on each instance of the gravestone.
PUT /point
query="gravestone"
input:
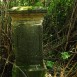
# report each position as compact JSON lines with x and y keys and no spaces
{"x":27,"y":33}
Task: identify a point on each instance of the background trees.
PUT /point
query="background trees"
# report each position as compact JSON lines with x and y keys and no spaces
{"x":60,"y":33}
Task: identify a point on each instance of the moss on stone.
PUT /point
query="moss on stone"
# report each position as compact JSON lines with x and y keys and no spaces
{"x":28,"y":9}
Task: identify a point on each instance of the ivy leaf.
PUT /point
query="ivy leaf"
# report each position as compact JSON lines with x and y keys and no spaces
{"x":65,"y":55}
{"x":50,"y":64}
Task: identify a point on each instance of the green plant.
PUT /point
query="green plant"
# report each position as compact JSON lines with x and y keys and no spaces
{"x":50,"y":64}
{"x":56,"y":27}
{"x":65,"y":55}
{"x":38,"y":4}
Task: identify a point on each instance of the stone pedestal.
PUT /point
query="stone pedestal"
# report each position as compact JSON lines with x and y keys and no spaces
{"x":27,"y":40}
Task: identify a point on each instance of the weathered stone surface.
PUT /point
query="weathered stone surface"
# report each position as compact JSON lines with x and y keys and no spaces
{"x":27,"y":38}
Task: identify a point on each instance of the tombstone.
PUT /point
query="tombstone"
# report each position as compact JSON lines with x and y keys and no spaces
{"x":27,"y":33}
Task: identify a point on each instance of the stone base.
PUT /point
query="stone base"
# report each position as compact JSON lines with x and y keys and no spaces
{"x":32,"y":71}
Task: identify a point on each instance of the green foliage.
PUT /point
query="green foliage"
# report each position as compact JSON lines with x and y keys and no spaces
{"x":65,"y":55}
{"x":38,"y":4}
{"x":50,"y":64}
{"x":32,"y":2}
{"x":56,"y":29}
{"x":60,"y":9}
{"x":58,"y":13}
{"x":25,"y":3}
